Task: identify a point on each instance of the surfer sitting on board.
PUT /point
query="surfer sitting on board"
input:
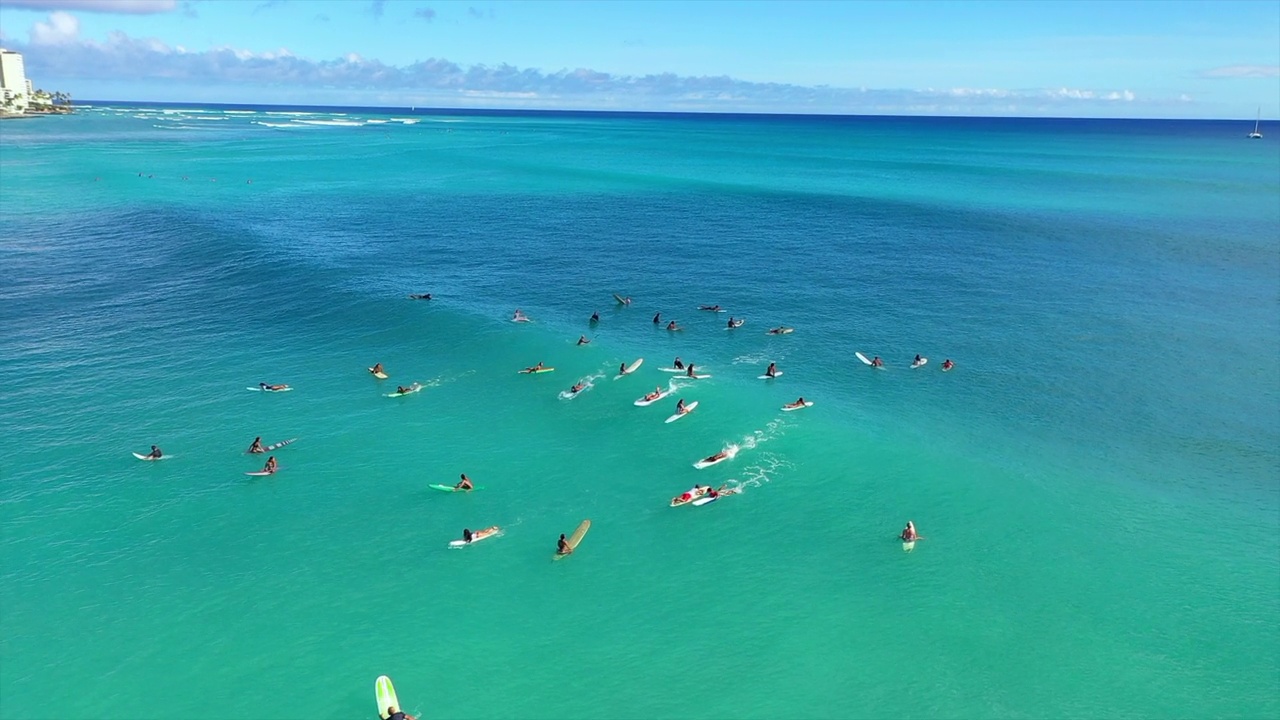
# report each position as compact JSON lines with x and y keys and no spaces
{"x":734,"y":323}
{"x":256,"y":447}
{"x":877,"y":362}
{"x":917,"y":360}
{"x":657,"y":318}
{"x":595,"y":317}
{"x":672,"y":326}
{"x":909,"y":533}
{"x":562,"y":546}
{"x":155,"y":453}
{"x":271,"y":465}
{"x":533,"y":369}
{"x":680,"y":408}
{"x":393,"y":713}
{"x":582,"y":340}
{"x":377,"y":368}
{"x":657,"y":393}
{"x":947,"y":364}
{"x":622,"y":369}
{"x":518,"y":315}
{"x":677,"y":364}
{"x":465,"y":483}
{"x":772,"y":370}
{"x":798,"y":403}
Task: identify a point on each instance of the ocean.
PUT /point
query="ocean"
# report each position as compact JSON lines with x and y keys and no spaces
{"x":1097,"y":480}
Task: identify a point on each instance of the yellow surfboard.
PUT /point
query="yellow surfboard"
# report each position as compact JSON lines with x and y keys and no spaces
{"x":385,"y":693}
{"x":576,"y":537}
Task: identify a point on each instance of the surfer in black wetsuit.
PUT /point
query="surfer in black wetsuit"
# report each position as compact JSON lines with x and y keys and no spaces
{"x":595,"y":317}
{"x":155,"y":453}
{"x":425,"y":296}
{"x":582,"y":340}
{"x":393,"y":713}
{"x":677,"y":364}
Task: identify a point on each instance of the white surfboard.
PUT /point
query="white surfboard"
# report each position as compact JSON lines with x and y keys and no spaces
{"x":923,"y":361}
{"x":385,"y":693}
{"x":521,"y":319}
{"x":475,"y":538}
{"x":769,"y":377}
{"x":630,"y":368}
{"x":258,"y":389}
{"x":379,"y":375}
{"x":789,"y":408}
{"x":863,"y":358}
{"x":261,"y":473}
{"x":780,"y":331}
{"x":148,"y":458}
{"x":908,"y":545}
{"x":687,"y":409}
{"x":646,"y":403}
{"x":679,"y":370}
{"x":729,"y":454}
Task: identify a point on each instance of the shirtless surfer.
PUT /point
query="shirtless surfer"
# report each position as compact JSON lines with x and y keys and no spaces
{"x":533,"y":369}
{"x":657,"y":393}
{"x":377,"y":368}
{"x":909,"y":533}
{"x":562,"y":546}
{"x":877,"y":362}
{"x":576,"y":389}
{"x":582,"y":340}
{"x":271,"y":466}
{"x":464,"y":484}
{"x":672,"y":326}
{"x":797,"y":404}
{"x":947,"y":364}
{"x":270,"y":388}
{"x":772,"y":370}
{"x":256,"y":447}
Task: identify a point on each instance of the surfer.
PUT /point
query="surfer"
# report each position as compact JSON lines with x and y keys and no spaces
{"x":689,"y":370}
{"x":734,"y":323}
{"x":772,"y":370}
{"x":155,"y":453}
{"x":595,"y":317}
{"x":466,"y":535}
{"x":393,"y":713}
{"x":270,"y":388}
{"x":917,"y":360}
{"x":401,"y":390}
{"x":424,"y":296}
{"x":798,"y":403}
{"x":718,"y":456}
{"x":672,"y":325}
{"x":624,"y":301}
{"x":519,"y":316}
{"x":582,"y":340}
{"x":622,"y":369}
{"x":677,"y":364}
{"x":780,"y":330}
{"x":533,"y":369}
{"x":271,"y":466}
{"x":947,"y":364}
{"x":680,"y":408}
{"x":657,"y":393}
{"x":877,"y":362}
{"x":909,"y":533}
{"x":657,"y":318}
{"x":465,"y":483}
{"x":576,"y":389}
{"x":726,"y":490}
{"x":377,"y":368}
{"x":256,"y":447}
{"x":562,"y":546}
{"x":711,"y":308}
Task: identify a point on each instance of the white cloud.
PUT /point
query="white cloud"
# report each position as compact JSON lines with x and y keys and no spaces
{"x":124,"y":7}
{"x":60,"y":29}
{"x":1243,"y":71}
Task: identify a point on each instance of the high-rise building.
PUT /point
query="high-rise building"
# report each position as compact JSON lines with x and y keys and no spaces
{"x":13,"y":79}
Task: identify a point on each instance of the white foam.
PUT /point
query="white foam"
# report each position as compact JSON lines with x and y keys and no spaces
{"x":331,"y":123}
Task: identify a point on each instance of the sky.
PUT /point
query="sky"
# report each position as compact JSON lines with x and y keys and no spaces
{"x":1081,"y":58}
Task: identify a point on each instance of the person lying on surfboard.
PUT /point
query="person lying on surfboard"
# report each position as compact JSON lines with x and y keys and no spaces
{"x":718,"y":456}
{"x":377,"y":368}
{"x":657,"y":393}
{"x":582,"y":340}
{"x":256,"y":447}
{"x":271,"y":465}
{"x":726,"y":490}
{"x":576,"y":388}
{"x":265,"y":386}
{"x":393,"y":713}
{"x":533,"y":369}
{"x":468,"y":536}
{"x":402,"y":390}
{"x":798,"y":403}
{"x":712,"y":308}
{"x":688,"y":495}
{"x":562,"y":546}
{"x":424,"y":296}
{"x":155,"y":453}
{"x":947,"y":364}
{"x":877,"y":362}
{"x":772,"y":370}
{"x":465,"y":483}
{"x":677,"y":364}
{"x":778,"y":330}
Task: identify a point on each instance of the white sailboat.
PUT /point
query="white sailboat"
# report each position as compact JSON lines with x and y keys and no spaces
{"x":1255,"y":134}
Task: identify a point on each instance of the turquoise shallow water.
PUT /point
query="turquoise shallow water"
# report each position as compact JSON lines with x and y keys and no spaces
{"x":1098,"y":480}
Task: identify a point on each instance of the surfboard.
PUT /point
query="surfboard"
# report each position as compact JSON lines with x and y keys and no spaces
{"x":645,"y":403}
{"x":780,"y":331}
{"x":621,"y":300}
{"x":730,"y":452}
{"x":703,"y":309}
{"x":450,"y":488}
{"x":863,"y":358}
{"x":948,"y":369}
{"x":687,"y":409}
{"x":697,"y":377}
{"x":379,"y":375}
{"x":416,"y":387}
{"x":689,"y":496}
{"x":539,"y":371}
{"x":923,"y":361}
{"x":576,"y":537}
{"x":281,"y":444}
{"x":807,"y":403}
{"x":769,"y":377}
{"x":261,"y":473}
{"x":632,"y":367}
{"x":476,"y":537}
{"x":704,"y":500}
{"x":145,"y":457}
{"x":521,"y":319}
{"x":258,"y":389}
{"x":674,"y":369}
{"x":908,"y":545}
{"x":385,"y":693}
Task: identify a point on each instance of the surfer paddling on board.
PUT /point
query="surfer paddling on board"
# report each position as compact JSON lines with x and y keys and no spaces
{"x":582,"y":340}
{"x":909,"y":533}
{"x":265,"y":386}
{"x":465,"y":483}
{"x":271,"y":466}
{"x":677,"y":364}
{"x":877,"y":362}
{"x":562,"y":546}
{"x":772,"y":370}
{"x":533,"y":369}
{"x":423,"y":296}
{"x":576,"y":389}
{"x":657,"y":393}
{"x":781,"y":330}
{"x":155,"y":453}
{"x":256,"y":447}
{"x":377,"y":368}
{"x":393,"y":713}
{"x":718,"y":456}
{"x":798,"y":403}
{"x":947,"y":364}
{"x":709,"y":308}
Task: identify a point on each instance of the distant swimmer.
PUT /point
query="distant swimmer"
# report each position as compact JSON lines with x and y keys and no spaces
{"x":772,"y":370}
{"x":377,"y":368}
{"x":155,"y":453}
{"x":595,"y":317}
{"x":271,"y":466}
{"x":465,"y":483}
{"x":909,"y":533}
{"x":780,"y":330}
{"x":677,"y":364}
{"x":270,"y":388}
{"x":256,"y":447}
{"x":799,"y":403}
{"x":576,"y":388}
{"x":709,"y":308}
{"x":657,"y":393}
{"x":562,"y":546}
{"x":582,"y":340}
{"x":947,"y":364}
{"x":394,"y":713}
{"x":424,"y":296}
{"x":657,"y":319}
{"x":672,"y":326}
{"x":877,"y":362}
{"x":533,"y":369}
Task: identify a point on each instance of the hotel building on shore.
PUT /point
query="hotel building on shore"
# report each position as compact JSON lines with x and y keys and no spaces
{"x":13,"y":81}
